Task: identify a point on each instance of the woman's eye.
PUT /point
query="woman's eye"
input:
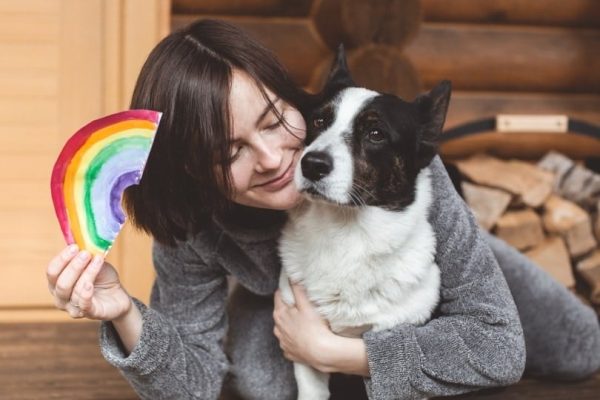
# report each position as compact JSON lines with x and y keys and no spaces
{"x":236,"y":153}
{"x":274,"y":125}
{"x":318,"y":122}
{"x":375,"y":135}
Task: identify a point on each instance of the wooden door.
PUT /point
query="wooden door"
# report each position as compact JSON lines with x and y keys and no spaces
{"x":62,"y":64}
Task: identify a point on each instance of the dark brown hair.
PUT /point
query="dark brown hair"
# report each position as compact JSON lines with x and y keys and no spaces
{"x":187,"y":77}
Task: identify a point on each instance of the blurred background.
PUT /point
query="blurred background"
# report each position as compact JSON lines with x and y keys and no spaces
{"x":64,"y":63}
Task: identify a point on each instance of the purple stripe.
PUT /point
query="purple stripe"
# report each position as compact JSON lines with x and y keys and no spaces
{"x":116,"y":193}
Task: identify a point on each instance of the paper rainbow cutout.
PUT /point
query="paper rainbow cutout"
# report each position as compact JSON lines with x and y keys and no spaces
{"x":93,"y":169}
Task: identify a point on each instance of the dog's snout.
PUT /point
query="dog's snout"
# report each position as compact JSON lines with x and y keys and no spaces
{"x":316,"y":165}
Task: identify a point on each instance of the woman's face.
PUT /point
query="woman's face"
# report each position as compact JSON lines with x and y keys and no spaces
{"x":264,"y":152}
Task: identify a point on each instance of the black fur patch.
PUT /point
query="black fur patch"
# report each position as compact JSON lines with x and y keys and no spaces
{"x":385,"y":170}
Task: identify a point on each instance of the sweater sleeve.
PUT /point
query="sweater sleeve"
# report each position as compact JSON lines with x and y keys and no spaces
{"x":475,"y":339}
{"x":179,"y":354}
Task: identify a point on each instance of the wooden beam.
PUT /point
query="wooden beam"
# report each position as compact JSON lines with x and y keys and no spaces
{"x":280,"y":8}
{"x":508,"y":58}
{"x":574,"y":13}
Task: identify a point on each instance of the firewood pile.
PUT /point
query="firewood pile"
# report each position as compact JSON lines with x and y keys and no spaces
{"x":549,"y":210}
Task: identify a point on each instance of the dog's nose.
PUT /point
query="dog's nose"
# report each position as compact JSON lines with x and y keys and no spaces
{"x":316,"y":165}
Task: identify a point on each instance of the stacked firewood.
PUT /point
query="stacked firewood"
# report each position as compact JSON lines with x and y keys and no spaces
{"x":549,"y":210}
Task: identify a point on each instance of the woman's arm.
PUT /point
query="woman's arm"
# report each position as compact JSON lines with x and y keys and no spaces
{"x":178,"y":354}
{"x":304,"y":336}
{"x":474,"y":341}
{"x":129,"y":327}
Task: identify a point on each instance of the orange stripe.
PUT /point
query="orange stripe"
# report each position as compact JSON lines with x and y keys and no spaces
{"x":75,"y":164}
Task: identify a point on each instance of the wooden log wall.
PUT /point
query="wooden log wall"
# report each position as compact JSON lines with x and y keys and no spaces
{"x":304,"y":35}
{"x":502,"y":56}
{"x":512,"y":56}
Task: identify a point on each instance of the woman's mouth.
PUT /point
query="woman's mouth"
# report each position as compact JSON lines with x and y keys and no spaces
{"x":280,"y":182}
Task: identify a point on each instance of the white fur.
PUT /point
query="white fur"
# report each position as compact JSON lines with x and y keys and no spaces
{"x":362,"y":266}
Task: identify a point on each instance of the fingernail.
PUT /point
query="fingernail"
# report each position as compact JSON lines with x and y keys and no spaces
{"x":87,"y":286}
{"x":83,"y":254}
{"x":72,"y":249}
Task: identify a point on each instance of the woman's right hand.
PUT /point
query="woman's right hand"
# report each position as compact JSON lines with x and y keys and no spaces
{"x":86,"y":287}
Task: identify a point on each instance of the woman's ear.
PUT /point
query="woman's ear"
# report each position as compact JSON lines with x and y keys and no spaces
{"x":339,"y":76}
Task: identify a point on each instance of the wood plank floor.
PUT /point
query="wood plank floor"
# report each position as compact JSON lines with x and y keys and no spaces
{"x":63,"y":361}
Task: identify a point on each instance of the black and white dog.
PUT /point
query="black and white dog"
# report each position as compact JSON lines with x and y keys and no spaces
{"x":361,"y":244}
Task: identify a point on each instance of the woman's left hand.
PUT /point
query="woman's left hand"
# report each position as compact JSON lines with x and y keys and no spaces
{"x":303,"y":334}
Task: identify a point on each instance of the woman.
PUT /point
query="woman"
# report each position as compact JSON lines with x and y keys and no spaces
{"x":232,"y":123}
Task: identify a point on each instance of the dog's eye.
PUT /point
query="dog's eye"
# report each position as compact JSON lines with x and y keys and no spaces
{"x":318,"y":122}
{"x":376,"y":136}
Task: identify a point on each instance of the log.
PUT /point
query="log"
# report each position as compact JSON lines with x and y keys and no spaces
{"x":560,"y":215}
{"x":293,"y":40}
{"x":521,"y":229}
{"x":582,"y":186}
{"x":573,"y":223}
{"x":553,"y":257}
{"x":557,"y":163}
{"x":358,"y":22}
{"x":580,"y":239}
{"x":589,"y":270}
{"x":380,"y":68}
{"x":574,"y":13}
{"x":280,"y":8}
{"x":468,"y":106}
{"x":476,"y":57}
{"x":532,"y":184}
{"x":487,"y":204}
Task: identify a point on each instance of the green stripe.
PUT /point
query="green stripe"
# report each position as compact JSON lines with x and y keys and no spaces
{"x":92,"y":173}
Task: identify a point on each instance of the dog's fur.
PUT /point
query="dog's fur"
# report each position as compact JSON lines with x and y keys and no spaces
{"x":361,"y":244}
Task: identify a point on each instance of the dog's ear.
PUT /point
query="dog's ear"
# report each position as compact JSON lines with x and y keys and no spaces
{"x":432,"y":108}
{"x":339,"y":75}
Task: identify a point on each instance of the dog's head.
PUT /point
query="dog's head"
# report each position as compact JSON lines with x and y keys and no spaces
{"x":365,"y":147}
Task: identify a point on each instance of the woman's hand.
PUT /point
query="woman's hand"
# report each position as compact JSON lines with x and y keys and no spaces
{"x":86,"y":287}
{"x":304,"y":336}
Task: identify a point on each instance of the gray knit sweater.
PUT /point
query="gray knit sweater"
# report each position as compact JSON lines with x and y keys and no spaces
{"x":198,"y":339}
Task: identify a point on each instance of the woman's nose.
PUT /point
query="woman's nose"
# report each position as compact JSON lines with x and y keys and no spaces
{"x":269,"y":157}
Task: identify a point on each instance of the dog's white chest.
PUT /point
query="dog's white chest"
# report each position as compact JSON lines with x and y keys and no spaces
{"x":364,"y":267}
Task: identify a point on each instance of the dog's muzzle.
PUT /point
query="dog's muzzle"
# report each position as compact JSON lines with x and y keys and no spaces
{"x":316,"y":165}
